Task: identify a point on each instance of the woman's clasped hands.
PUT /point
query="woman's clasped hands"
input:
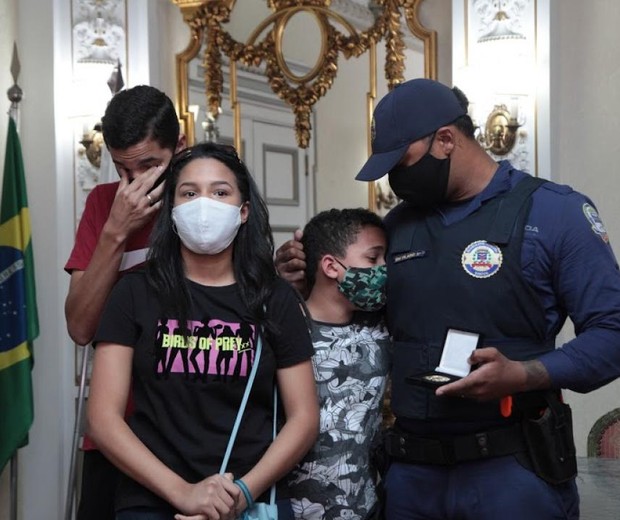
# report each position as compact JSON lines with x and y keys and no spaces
{"x":214,"y":498}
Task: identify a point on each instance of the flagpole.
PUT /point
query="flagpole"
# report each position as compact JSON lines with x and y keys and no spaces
{"x":71,"y":488}
{"x":15,"y":96}
{"x":14,"y":486}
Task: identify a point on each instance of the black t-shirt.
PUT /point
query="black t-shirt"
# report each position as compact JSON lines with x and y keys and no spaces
{"x":187,"y":393}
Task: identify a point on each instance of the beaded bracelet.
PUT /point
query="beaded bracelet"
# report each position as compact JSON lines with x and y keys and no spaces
{"x":246,"y":492}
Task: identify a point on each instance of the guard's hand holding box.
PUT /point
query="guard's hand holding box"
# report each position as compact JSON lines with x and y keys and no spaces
{"x":453,"y":365}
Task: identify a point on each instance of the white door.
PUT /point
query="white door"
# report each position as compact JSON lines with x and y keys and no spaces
{"x":284,"y":176}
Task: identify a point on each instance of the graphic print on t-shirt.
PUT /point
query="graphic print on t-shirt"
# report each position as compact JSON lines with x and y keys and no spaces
{"x":210,"y":347}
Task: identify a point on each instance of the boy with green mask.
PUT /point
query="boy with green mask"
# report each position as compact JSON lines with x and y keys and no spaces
{"x":345,"y":269}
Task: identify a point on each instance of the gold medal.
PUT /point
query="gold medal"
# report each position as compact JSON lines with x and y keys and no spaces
{"x":436,"y":378}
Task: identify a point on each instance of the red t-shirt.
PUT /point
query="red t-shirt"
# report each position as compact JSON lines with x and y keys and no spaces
{"x":96,"y":212}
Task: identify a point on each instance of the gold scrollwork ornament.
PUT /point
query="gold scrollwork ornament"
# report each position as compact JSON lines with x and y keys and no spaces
{"x":264,"y":46}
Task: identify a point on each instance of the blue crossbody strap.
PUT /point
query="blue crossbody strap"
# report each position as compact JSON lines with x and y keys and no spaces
{"x":272,"y":495}
{"x":244,"y":401}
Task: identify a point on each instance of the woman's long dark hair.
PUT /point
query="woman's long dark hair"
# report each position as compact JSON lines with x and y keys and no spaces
{"x":252,"y":248}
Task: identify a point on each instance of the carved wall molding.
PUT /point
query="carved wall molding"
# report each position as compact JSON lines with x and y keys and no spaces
{"x":486,"y":10}
{"x":252,"y":82}
{"x":98,"y":31}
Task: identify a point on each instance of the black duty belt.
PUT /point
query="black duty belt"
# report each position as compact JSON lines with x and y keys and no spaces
{"x":447,"y":450}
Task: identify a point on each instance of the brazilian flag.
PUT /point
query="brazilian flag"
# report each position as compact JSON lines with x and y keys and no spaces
{"x":19,"y":322}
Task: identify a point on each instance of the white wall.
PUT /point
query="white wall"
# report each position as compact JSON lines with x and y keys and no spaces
{"x":341,"y":138}
{"x":585,"y":137}
{"x":585,"y":74}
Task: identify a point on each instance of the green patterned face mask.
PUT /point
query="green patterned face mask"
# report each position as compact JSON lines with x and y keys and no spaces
{"x":364,"y":287}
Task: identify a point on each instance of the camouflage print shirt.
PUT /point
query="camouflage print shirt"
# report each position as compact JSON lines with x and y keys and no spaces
{"x":351,"y":363}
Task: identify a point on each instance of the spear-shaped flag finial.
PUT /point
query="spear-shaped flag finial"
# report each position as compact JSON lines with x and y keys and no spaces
{"x":116,"y":82}
{"x":15,"y":93}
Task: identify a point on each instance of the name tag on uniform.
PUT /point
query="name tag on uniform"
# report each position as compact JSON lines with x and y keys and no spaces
{"x":401,"y":257}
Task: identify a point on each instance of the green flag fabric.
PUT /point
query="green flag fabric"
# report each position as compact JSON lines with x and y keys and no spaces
{"x":19,"y":322}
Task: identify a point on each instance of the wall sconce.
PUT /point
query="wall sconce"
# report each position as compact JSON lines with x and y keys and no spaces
{"x":499,"y":134}
{"x":498,"y":71}
{"x":93,"y":143}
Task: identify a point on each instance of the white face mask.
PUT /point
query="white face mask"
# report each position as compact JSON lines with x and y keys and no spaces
{"x":206,"y":226}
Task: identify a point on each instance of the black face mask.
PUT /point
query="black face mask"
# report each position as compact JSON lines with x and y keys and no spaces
{"x":423,"y":184}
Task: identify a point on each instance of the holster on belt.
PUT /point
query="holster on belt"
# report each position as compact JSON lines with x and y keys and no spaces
{"x":548,"y":433}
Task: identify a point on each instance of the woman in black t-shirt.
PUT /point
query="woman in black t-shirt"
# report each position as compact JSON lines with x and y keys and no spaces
{"x":182,"y":335}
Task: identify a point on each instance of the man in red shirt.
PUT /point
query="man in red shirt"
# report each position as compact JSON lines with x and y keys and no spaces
{"x":141,"y":130}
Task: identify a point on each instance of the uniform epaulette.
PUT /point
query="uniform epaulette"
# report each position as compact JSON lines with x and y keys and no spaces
{"x":562,"y":189}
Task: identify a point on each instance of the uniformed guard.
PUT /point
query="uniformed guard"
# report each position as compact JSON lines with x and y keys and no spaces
{"x":480,"y":246}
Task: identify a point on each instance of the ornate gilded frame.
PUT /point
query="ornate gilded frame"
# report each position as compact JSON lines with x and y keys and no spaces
{"x":205,"y":19}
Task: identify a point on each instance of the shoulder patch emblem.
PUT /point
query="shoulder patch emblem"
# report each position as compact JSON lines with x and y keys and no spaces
{"x":595,"y":221}
{"x":481,"y":259}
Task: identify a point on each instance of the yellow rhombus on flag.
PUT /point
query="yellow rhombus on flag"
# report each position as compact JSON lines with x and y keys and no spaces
{"x":19,"y":322}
